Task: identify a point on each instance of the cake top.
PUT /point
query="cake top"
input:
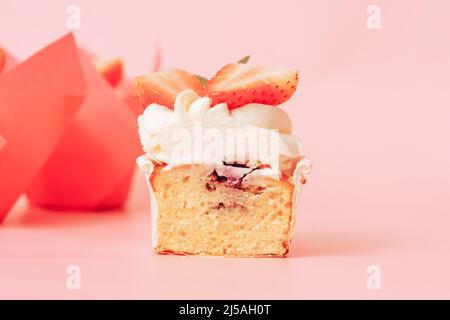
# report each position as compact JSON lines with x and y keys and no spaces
{"x":231,"y":118}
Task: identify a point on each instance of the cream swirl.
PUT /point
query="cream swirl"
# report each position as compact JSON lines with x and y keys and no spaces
{"x":164,"y":133}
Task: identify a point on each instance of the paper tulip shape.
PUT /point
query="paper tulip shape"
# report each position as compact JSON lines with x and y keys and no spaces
{"x":39,"y":100}
{"x":92,"y":166}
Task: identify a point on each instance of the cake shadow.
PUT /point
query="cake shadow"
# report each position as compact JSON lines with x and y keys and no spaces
{"x":335,"y":243}
{"x":35,"y":216}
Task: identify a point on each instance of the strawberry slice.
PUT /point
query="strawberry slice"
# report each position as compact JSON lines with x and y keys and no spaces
{"x":162,"y":87}
{"x":2,"y":59}
{"x":111,"y":70}
{"x":239,"y":84}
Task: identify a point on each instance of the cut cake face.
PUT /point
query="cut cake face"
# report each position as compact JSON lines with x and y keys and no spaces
{"x":203,"y":213}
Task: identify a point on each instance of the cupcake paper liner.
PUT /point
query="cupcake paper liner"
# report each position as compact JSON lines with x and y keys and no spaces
{"x":36,"y":109}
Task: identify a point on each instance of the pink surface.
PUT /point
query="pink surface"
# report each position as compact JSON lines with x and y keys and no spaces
{"x":372,"y":111}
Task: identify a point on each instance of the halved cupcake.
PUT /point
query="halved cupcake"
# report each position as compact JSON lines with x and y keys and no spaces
{"x":223,"y":170}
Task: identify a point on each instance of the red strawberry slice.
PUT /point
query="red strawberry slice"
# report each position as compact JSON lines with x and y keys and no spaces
{"x":111,"y":70}
{"x":239,"y":84}
{"x":2,"y":59}
{"x":162,"y":87}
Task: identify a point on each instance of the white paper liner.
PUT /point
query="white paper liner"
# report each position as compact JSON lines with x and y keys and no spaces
{"x":302,"y":169}
{"x":146,"y":165}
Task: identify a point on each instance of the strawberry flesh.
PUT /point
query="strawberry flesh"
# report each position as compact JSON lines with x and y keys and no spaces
{"x":238,"y":84}
{"x":112,"y":71}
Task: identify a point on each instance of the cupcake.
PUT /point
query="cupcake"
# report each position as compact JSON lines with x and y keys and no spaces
{"x":223,"y":170}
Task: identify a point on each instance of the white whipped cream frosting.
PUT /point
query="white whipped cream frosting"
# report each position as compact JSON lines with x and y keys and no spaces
{"x":158,"y":125}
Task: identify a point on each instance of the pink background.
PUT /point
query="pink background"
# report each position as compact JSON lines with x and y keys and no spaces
{"x":372,"y":111}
